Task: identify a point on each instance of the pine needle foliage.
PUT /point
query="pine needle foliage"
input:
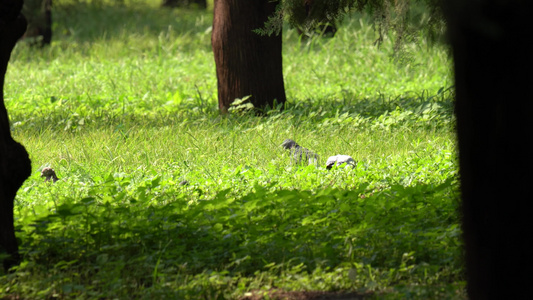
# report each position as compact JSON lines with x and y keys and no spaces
{"x":402,"y":19}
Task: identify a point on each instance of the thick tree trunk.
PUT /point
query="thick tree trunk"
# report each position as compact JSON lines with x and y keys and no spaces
{"x":47,"y":30}
{"x":15,"y":164}
{"x":246,"y":63}
{"x":492,"y":50}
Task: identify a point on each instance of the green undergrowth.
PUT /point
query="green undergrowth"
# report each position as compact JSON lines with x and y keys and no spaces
{"x":161,"y":197}
{"x":133,"y":235}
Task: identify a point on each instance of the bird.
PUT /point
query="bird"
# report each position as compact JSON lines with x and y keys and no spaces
{"x":299,"y":153}
{"x":49,"y":173}
{"x":339,"y":160}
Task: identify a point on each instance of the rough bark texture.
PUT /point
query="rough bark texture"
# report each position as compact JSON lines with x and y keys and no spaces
{"x":47,"y":30}
{"x":492,"y":50}
{"x":246,"y":63}
{"x":15,"y":164}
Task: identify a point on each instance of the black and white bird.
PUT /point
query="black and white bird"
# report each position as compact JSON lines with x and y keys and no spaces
{"x":339,"y":160}
{"x":299,"y":154}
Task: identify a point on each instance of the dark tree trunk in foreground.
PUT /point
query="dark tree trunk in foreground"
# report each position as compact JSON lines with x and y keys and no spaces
{"x":15,"y":164}
{"x":493,"y":56}
{"x":184,"y":3}
{"x":47,"y":30}
{"x":39,"y":16}
{"x":246,"y":63}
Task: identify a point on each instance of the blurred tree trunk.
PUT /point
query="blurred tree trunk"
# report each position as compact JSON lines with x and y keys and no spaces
{"x":39,"y":16}
{"x":492,"y":51}
{"x":246,"y":63}
{"x":15,"y":164}
{"x":185,"y":3}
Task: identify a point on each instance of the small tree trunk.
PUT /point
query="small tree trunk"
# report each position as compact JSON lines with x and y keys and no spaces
{"x":246,"y":63}
{"x":15,"y":164}
{"x":47,"y":30}
{"x":492,"y":51}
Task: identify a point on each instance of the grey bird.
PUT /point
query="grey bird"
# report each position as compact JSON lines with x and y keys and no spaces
{"x":299,"y":154}
{"x":339,"y":160}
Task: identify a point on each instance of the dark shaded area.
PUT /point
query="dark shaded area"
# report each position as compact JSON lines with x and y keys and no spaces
{"x":493,"y":73}
{"x":257,"y":227}
{"x":315,"y":21}
{"x":246,"y":63}
{"x":15,"y":164}
{"x":442,"y":101}
{"x":185,"y":3}
{"x":38,"y":13}
{"x":307,"y":295}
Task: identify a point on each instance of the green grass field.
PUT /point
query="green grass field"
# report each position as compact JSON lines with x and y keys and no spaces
{"x":123,"y":106}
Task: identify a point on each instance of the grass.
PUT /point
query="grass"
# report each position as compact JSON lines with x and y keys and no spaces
{"x":123,"y":107}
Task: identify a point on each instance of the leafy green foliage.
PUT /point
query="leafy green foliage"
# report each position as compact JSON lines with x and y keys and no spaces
{"x":241,"y":105}
{"x":402,"y":20}
{"x":124,"y":109}
{"x":128,"y":235}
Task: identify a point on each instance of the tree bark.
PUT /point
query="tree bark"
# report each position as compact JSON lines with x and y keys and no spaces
{"x":15,"y":164}
{"x":492,"y":51}
{"x":246,"y":63}
{"x":47,"y":30}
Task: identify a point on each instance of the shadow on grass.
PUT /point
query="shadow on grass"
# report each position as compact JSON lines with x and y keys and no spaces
{"x":114,"y":241}
{"x":442,"y":103}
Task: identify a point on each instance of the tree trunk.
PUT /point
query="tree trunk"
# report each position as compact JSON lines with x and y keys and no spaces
{"x":47,"y":30}
{"x":15,"y":164}
{"x":492,"y":51}
{"x":246,"y":63}
{"x":39,"y":16}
